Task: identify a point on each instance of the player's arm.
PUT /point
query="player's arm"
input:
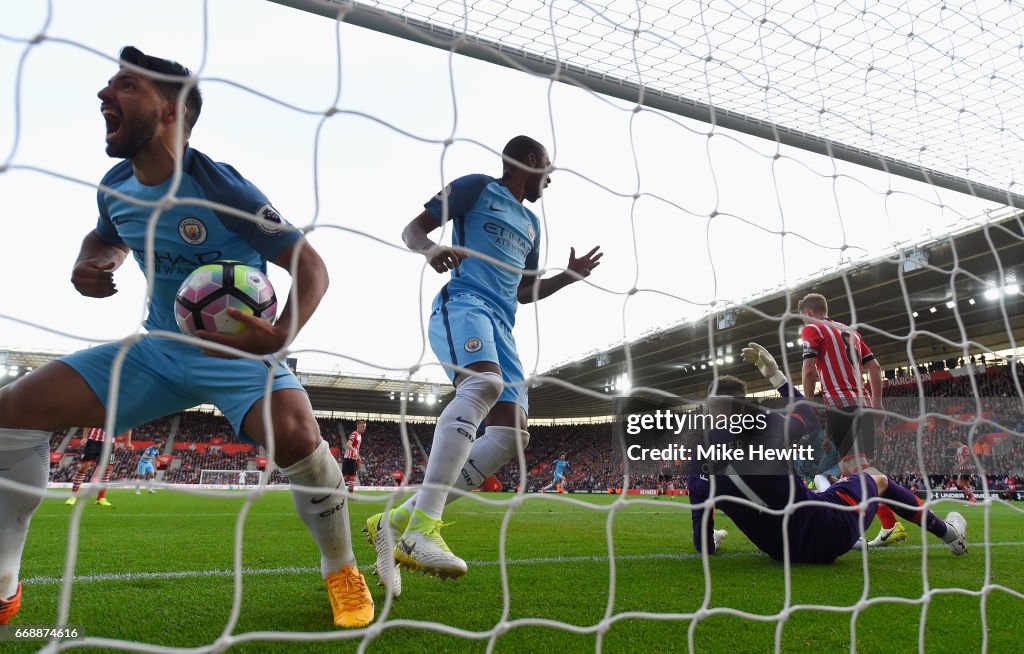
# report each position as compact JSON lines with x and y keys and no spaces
{"x":128,"y":445}
{"x":810,"y":377}
{"x":415,"y":236}
{"x":93,"y":274}
{"x":309,"y":283}
{"x":875,"y":382}
{"x":532,"y":288}
{"x":803,"y":420}
{"x":811,"y":338}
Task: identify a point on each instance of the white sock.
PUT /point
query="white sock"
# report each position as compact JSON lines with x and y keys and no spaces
{"x":325,"y":514}
{"x":454,"y":436}
{"x":25,"y":459}
{"x":821,"y":483}
{"x":491,"y":451}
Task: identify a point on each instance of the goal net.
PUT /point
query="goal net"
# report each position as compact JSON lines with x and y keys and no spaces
{"x":728,"y":159}
{"x":230,"y":478}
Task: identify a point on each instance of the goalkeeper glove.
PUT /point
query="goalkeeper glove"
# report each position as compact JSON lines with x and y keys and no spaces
{"x":765,"y":362}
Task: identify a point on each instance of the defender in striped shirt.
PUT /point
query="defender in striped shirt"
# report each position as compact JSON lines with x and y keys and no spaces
{"x":838,"y":357}
{"x":88,"y":462}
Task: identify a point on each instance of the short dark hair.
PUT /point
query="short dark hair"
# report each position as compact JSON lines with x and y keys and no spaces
{"x":728,"y":385}
{"x":813,"y":302}
{"x":360,"y":422}
{"x":519,"y":148}
{"x":193,"y":101}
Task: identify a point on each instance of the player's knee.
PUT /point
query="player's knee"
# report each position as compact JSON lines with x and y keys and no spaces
{"x":295,"y":439}
{"x":524,"y":438}
{"x":882,"y":482}
{"x":484,"y":388}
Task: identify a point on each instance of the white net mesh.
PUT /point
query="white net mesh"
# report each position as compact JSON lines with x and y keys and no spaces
{"x":678,"y":205}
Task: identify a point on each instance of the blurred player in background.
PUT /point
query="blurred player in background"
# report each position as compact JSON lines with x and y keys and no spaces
{"x":146,"y":470}
{"x":823,"y":470}
{"x":350,"y":458}
{"x":964,"y":463}
{"x":815,"y":534}
{"x":471,"y":334}
{"x":559,"y":466}
{"x":149,"y":122}
{"x":87,"y":464}
{"x":837,"y":356}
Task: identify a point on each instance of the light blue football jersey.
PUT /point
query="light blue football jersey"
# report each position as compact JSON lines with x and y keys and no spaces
{"x":149,"y":454}
{"x":189,"y":235}
{"x":486,"y":218}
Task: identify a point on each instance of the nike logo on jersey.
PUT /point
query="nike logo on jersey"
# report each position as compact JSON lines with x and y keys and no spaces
{"x":406,"y":547}
{"x":494,"y":208}
{"x":318,"y":500}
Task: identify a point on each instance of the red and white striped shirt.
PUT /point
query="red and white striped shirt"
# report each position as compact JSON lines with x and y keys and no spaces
{"x":352,"y":446}
{"x":96,"y":434}
{"x":963,"y":455}
{"x":840,"y":355}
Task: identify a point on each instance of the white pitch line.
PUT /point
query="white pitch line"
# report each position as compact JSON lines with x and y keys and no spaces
{"x":114,"y":514}
{"x":135,"y":576}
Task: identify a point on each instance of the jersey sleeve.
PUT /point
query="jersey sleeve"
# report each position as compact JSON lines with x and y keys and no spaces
{"x":864,"y":350}
{"x":810,"y":336}
{"x":105,"y":227}
{"x":804,"y":419}
{"x":698,"y":488}
{"x":460,"y":195}
{"x":270,"y":235}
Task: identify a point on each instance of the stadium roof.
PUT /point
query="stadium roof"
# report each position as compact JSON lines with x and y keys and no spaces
{"x":947,"y":273}
{"x":964,"y":266}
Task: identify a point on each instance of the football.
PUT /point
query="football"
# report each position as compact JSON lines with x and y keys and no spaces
{"x":205,"y":296}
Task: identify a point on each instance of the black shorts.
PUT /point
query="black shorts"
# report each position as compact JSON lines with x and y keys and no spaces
{"x":92,"y":451}
{"x":349,"y":467}
{"x":850,"y":425}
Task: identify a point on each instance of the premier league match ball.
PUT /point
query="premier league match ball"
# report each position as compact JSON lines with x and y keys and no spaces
{"x":206,"y":295}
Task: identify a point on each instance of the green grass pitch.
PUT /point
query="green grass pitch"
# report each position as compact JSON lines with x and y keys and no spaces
{"x":156,"y":569}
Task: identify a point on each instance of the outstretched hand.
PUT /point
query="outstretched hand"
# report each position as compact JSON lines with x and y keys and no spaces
{"x":765,"y":362}
{"x":585,"y":264}
{"x":258,"y":336}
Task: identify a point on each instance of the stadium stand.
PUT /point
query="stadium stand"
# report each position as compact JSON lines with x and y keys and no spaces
{"x":204,"y":441}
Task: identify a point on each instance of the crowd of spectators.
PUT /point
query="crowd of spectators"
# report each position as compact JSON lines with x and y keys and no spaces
{"x":193,"y":463}
{"x":949,"y":419}
{"x":201,"y":426}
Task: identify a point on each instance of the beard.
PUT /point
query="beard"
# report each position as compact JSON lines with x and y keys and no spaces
{"x":133,"y":133}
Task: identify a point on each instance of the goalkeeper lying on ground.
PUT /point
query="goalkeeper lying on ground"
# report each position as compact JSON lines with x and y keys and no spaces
{"x":816,"y":533}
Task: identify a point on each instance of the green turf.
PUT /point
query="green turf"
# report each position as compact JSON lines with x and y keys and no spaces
{"x":558,"y":571}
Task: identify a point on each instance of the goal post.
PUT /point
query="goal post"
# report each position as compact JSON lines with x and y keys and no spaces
{"x":391,"y":20}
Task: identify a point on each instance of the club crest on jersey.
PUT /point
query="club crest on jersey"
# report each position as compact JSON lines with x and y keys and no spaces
{"x":530,"y":232}
{"x":192,"y":231}
{"x":268,"y":220}
{"x":474,"y":344}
